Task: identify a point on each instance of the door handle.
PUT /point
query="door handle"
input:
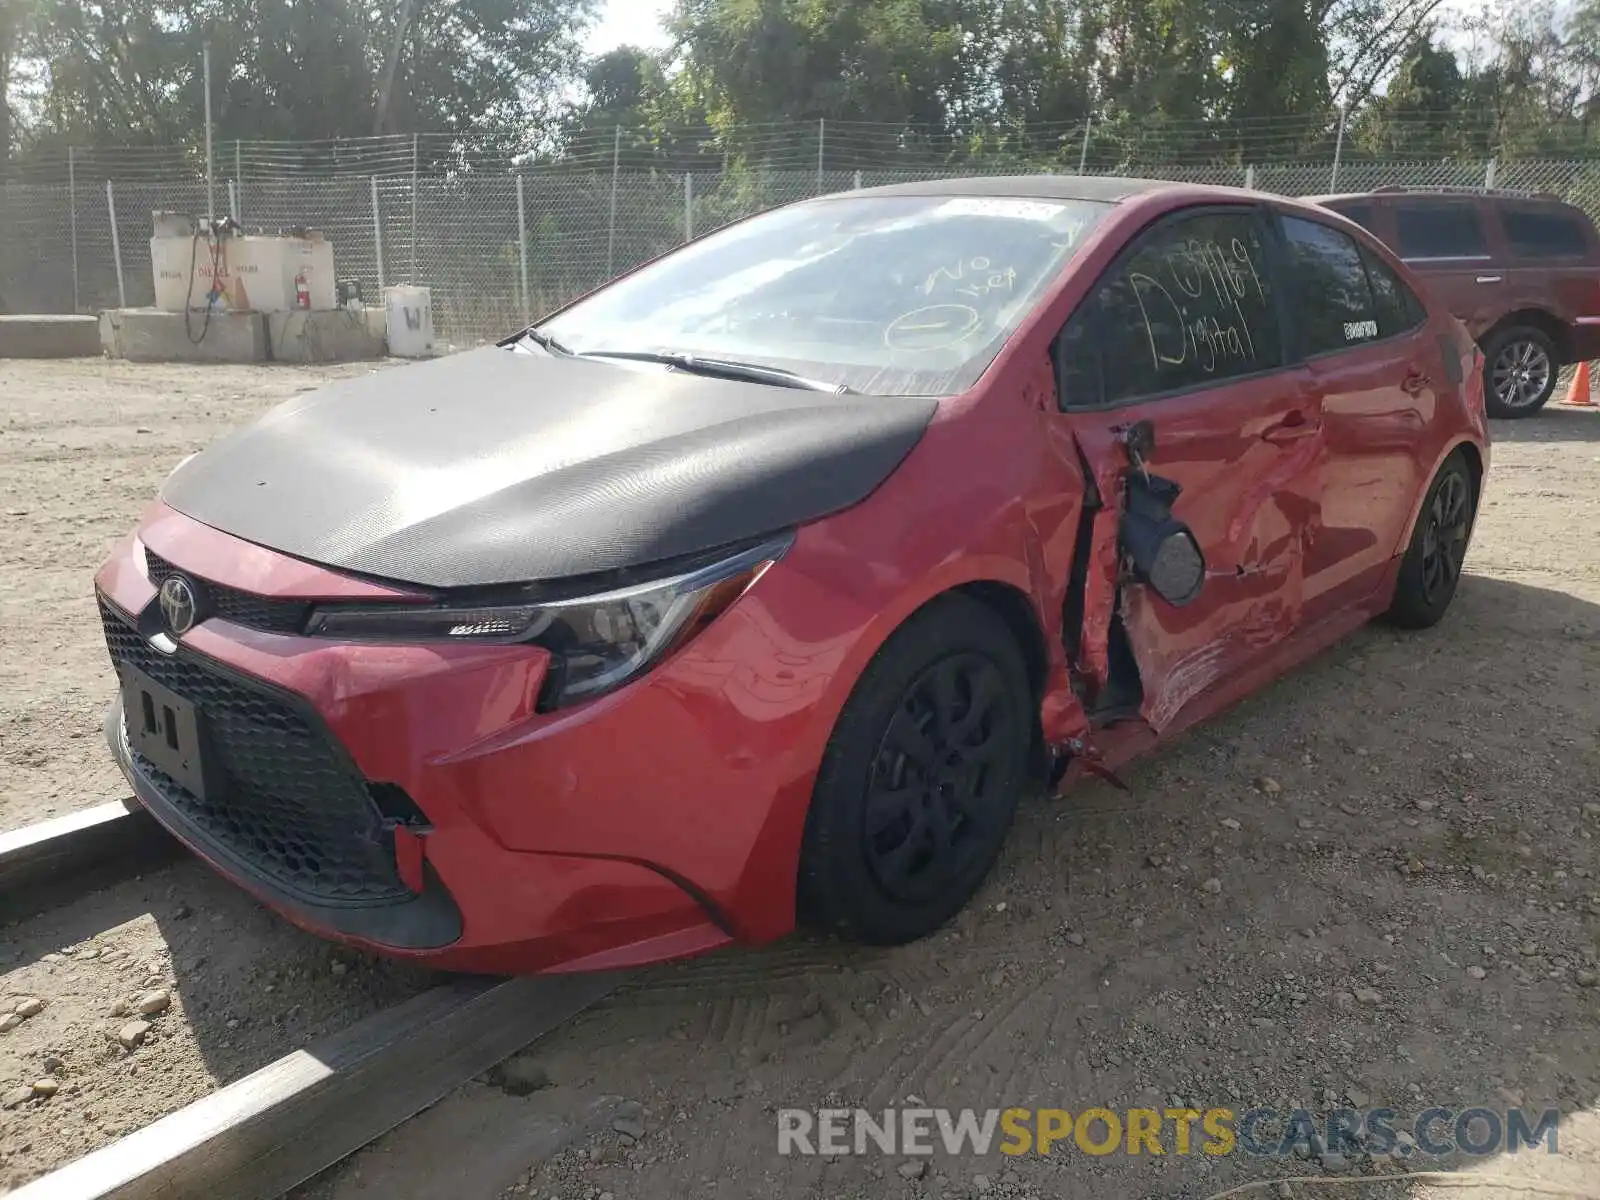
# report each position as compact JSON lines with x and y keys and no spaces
{"x":1415,"y":382}
{"x":1489,"y":278}
{"x":1292,"y":428}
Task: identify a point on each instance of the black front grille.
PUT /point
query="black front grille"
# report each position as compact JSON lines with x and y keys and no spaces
{"x":231,"y":604}
{"x":287,"y":801}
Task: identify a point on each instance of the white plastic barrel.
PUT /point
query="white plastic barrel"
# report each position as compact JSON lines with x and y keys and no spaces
{"x":410,"y":321}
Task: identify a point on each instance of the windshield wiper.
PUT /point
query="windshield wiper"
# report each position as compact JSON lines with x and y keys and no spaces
{"x":725,"y":368}
{"x":542,"y":340}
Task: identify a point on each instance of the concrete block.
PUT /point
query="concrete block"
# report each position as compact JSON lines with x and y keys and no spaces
{"x":148,"y":335}
{"x":322,"y":336}
{"x":376,"y":319}
{"x":49,"y":336}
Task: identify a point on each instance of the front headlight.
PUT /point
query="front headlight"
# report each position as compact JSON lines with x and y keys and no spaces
{"x":597,"y":642}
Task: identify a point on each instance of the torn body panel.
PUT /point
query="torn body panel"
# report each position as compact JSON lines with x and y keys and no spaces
{"x":1050,"y":548}
{"x":1253,"y":503}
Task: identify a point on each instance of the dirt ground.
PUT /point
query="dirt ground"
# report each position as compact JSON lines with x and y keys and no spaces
{"x":84,"y":446}
{"x":1406,"y":909}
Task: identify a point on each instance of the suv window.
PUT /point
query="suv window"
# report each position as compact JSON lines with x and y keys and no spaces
{"x":1335,"y":300}
{"x":1361,"y":214}
{"x":1399,"y":309}
{"x":1541,"y":233}
{"x":1439,"y":229}
{"x":1190,"y":304}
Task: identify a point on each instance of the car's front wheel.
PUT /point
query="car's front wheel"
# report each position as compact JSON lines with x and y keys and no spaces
{"x":1519,"y":371}
{"x":921,"y":778}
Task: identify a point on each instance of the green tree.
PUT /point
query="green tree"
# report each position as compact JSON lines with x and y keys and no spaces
{"x":632,"y":90}
{"x":762,"y":61}
{"x":128,"y":71}
{"x":1277,"y":60}
{"x":1583,"y":38}
{"x":10,"y":31}
{"x":1420,"y":114}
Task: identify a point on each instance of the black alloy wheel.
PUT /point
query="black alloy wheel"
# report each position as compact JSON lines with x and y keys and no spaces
{"x":921,"y":777}
{"x":1444,"y":539}
{"x":931,"y":804}
{"x":1430,"y":572}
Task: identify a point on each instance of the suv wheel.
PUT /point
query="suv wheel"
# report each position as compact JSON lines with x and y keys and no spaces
{"x":1519,"y":371}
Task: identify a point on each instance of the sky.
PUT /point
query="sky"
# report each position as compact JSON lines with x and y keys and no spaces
{"x":627,"y":22}
{"x":638,"y":23}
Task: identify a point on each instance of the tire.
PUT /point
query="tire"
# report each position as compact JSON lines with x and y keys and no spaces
{"x":1520,"y":366}
{"x":1431,"y":569}
{"x":892,"y":777}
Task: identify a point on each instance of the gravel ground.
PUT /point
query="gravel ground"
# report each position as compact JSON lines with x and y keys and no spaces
{"x":84,"y":446}
{"x":1406,"y":906}
{"x":146,"y":996}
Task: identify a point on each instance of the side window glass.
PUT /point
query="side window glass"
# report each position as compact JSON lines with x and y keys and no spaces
{"x":1335,"y":301}
{"x":1439,"y":230}
{"x":1534,"y":233}
{"x":1399,"y":308}
{"x":1361,"y":214}
{"x":1191,"y":305}
{"x":1078,"y":360}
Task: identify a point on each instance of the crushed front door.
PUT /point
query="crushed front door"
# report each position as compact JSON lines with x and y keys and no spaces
{"x":1181,"y":346}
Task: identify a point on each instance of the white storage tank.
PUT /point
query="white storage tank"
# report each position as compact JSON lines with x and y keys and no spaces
{"x":259,"y":273}
{"x":410,"y":321}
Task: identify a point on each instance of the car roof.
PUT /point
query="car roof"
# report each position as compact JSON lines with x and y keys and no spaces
{"x":1108,"y":188}
{"x":1503,"y":195}
{"x":1337,"y":196}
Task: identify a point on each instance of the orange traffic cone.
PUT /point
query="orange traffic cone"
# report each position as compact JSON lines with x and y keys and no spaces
{"x":1578,"y":394}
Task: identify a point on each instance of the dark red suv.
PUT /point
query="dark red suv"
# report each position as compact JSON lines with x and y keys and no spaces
{"x":1521,"y":271}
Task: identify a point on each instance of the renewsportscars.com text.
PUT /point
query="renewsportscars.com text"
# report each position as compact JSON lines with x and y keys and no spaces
{"x":1261,"y":1132}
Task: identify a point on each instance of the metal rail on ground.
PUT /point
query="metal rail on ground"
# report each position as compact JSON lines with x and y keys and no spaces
{"x":273,"y":1130}
{"x":263,"y":1135}
{"x":56,"y":861}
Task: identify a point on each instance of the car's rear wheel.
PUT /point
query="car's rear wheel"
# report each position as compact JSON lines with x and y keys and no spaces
{"x":1519,"y":371}
{"x":1431,"y":569}
{"x":921,"y":778}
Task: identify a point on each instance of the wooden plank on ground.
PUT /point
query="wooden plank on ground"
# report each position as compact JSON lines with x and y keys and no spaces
{"x":263,"y":1135}
{"x":58,"y":860}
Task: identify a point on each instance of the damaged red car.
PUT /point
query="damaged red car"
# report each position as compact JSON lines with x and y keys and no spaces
{"x":758,"y":585}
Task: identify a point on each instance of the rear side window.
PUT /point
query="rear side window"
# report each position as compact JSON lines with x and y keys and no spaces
{"x":1439,"y":229}
{"x":1398,"y":308}
{"x":1188,"y":306}
{"x":1361,"y":214}
{"x":1541,"y":233}
{"x":1335,"y":301}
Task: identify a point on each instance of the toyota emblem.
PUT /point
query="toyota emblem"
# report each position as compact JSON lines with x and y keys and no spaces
{"x":178,"y":604}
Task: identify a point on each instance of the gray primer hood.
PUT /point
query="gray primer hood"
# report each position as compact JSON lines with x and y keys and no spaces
{"x":499,"y":466}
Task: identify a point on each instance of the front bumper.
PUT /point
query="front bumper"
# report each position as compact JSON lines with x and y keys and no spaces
{"x":660,"y":821}
{"x":482,"y":907}
{"x":414,"y":922}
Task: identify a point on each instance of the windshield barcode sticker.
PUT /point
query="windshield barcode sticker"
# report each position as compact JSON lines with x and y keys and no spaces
{"x":1000,"y":206}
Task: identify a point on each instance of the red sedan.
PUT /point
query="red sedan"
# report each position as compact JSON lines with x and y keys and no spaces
{"x":761,"y":583}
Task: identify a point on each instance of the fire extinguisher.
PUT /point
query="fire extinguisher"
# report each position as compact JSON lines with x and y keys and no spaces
{"x":302,"y":291}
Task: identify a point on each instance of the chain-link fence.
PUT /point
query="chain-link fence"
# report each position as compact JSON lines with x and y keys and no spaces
{"x":501,"y":247}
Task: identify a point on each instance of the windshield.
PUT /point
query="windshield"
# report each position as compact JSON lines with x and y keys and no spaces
{"x":887,"y":295}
